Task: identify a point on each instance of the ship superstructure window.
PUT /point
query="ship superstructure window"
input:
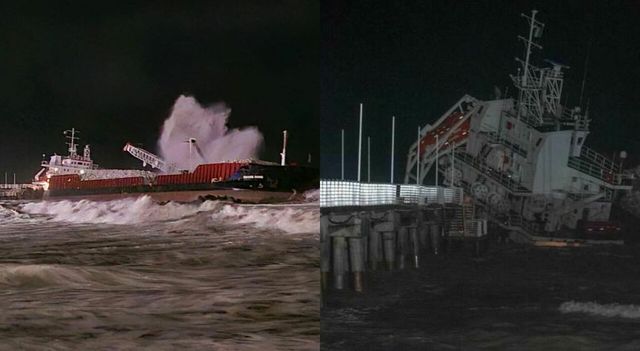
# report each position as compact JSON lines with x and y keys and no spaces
{"x":538,"y":142}
{"x":580,"y":140}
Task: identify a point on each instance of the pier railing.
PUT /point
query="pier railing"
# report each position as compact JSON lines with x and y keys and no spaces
{"x":340,"y":193}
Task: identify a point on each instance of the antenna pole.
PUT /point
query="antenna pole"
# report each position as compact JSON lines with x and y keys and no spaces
{"x":418,"y":160}
{"x":393,"y":134}
{"x":525,"y":74}
{"x":342,"y":168}
{"x":453,"y":160}
{"x":437,"y":156}
{"x":368,"y":159}
{"x":526,"y":60}
{"x":72,"y":138}
{"x":283,"y":155}
{"x":360,"y":145}
{"x":584,"y":75}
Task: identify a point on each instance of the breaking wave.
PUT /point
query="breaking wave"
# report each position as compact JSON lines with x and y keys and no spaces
{"x":9,"y":215}
{"x":606,"y":310}
{"x":123,"y":211}
{"x":290,"y":219}
{"x":301,"y":218}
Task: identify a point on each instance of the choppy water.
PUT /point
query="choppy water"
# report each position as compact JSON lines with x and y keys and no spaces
{"x":514,"y":298}
{"x":132,"y":274}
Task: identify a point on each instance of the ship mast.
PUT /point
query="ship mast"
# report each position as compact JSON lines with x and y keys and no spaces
{"x":529,"y":83}
{"x":72,"y":144}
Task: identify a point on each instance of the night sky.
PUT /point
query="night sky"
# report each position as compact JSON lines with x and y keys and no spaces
{"x":416,"y":60}
{"x":114,"y":69}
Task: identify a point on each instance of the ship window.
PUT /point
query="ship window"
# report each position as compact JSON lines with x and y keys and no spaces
{"x":580,"y":141}
{"x":509,"y":125}
{"x":538,"y":142}
{"x":586,"y":187}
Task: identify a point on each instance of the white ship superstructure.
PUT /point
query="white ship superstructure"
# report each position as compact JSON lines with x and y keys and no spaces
{"x":70,"y":164}
{"x":523,"y":159}
{"x":81,"y":165}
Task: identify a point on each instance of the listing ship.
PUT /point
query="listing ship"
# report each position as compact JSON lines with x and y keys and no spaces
{"x":78,"y":177}
{"x":523,"y":161}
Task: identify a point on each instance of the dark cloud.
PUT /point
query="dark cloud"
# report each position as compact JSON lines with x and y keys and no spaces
{"x":113,"y":70}
{"x":415,"y":59}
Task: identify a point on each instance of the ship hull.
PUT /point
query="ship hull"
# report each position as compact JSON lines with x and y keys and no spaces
{"x":250,"y":183}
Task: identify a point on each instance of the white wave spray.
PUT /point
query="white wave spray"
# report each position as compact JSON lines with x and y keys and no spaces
{"x":292,"y":218}
{"x":606,"y":310}
{"x":124,"y":211}
{"x":215,"y":142}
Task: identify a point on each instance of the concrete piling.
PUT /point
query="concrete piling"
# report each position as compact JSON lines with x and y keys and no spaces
{"x":325,"y":252}
{"x":403,"y":246}
{"x":339,"y":261}
{"x":389,"y":244}
{"x":375,"y":249}
{"x":356,"y":251}
{"x":435,"y":234}
{"x":415,"y":244}
{"x":354,"y":240}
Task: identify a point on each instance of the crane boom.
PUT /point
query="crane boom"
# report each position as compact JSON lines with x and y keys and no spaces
{"x":149,"y":158}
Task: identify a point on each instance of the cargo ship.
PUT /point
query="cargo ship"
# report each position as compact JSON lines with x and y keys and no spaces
{"x":524,"y":161}
{"x":76,"y":177}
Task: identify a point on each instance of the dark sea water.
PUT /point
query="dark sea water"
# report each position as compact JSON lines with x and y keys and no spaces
{"x":513,"y":298}
{"x":133,"y":275}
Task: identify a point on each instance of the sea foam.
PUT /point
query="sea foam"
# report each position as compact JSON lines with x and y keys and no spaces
{"x":289,"y":218}
{"x":605,"y":310}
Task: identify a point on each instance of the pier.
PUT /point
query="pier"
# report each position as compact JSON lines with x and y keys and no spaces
{"x":367,"y":227}
{"x":19,"y":191}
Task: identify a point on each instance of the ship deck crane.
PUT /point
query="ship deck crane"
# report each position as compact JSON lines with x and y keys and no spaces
{"x":149,"y":158}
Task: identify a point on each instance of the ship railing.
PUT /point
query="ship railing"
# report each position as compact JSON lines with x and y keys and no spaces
{"x":12,"y":186}
{"x":501,"y":177}
{"x":526,"y":117}
{"x":596,"y":165}
{"x":594,"y":170}
{"x":511,"y":143}
{"x":598,"y":159}
{"x":581,"y":196}
{"x":340,"y":193}
{"x":580,"y":121}
{"x":464,"y":224}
